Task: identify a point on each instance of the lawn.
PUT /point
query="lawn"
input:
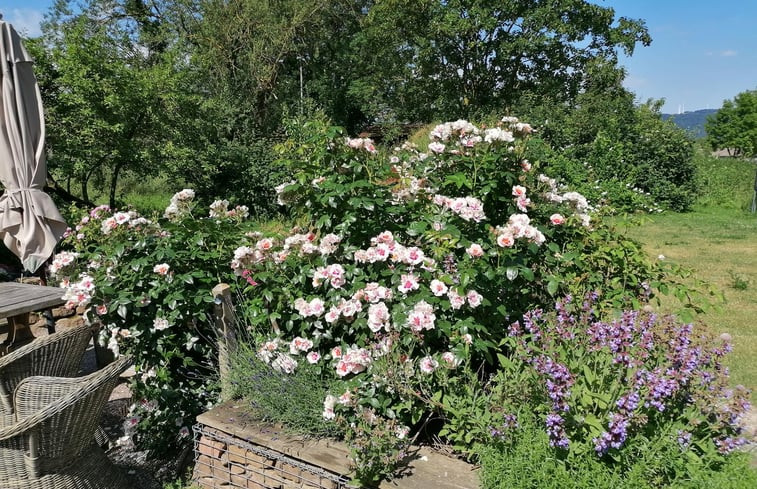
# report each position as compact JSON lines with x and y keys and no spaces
{"x":720,"y":245}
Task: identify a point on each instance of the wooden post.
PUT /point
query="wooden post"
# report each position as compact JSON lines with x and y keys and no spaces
{"x":226,"y":332}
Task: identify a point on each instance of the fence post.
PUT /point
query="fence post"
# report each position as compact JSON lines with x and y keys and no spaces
{"x":226,"y":333}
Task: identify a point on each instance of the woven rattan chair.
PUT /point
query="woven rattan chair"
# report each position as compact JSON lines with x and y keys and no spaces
{"x":56,"y":355}
{"x":51,"y":445}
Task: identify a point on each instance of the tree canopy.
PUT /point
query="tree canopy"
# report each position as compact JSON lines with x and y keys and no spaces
{"x":198,"y":89}
{"x":734,"y":126}
{"x":430,"y":59}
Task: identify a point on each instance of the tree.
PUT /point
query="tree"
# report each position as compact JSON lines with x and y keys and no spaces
{"x":105,"y":94}
{"x":734,"y":126}
{"x":609,"y":146}
{"x":430,"y":59}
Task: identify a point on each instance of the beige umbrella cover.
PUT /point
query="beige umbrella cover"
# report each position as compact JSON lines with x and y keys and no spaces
{"x":30,"y":224}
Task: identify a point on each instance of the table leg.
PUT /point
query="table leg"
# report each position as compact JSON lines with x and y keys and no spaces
{"x":18,"y":329}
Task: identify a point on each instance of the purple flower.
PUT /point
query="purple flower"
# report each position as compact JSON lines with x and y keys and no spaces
{"x":556,"y":431}
{"x":629,"y":402}
{"x":684,"y":438}
{"x":729,"y":444}
{"x":614,"y":437}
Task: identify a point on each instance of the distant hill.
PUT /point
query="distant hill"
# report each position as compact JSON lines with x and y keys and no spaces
{"x":692,"y":122}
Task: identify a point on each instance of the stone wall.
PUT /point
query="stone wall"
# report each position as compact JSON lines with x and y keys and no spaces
{"x":235,"y":451}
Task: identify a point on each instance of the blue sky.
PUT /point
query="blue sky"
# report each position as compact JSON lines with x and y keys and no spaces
{"x":702,"y":52}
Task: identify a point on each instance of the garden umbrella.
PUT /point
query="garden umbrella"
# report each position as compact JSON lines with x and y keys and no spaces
{"x":30,"y":224}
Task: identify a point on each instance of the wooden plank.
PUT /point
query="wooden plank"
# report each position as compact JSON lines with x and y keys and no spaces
{"x":17,"y":298}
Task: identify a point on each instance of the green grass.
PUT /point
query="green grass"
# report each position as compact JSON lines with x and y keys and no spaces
{"x":720,"y":245}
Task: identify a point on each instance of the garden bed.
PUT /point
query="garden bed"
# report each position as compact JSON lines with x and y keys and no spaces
{"x":233,"y":450}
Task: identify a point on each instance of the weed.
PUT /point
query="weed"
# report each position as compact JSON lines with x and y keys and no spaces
{"x":739,"y":281}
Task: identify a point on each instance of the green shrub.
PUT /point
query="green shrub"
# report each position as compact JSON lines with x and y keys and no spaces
{"x":411,"y":268}
{"x":725,"y":182}
{"x":148,"y":284}
{"x":623,"y":155}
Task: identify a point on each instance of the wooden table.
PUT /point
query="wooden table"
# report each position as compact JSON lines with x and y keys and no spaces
{"x":17,"y":300}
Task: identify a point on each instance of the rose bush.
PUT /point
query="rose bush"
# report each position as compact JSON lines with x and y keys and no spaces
{"x":148,"y":284}
{"x":414,"y":265}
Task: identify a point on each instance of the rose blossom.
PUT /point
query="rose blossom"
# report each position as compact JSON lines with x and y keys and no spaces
{"x":345,"y":398}
{"x":438,"y":288}
{"x":160,"y":324}
{"x":556,"y":219}
{"x":300,"y":344}
{"x":456,"y":300}
{"x":284,"y":363}
{"x":408,"y":282}
{"x":474,"y":298}
{"x":450,"y":359}
{"x":505,"y":240}
{"x":436,"y":147}
{"x":328,"y":407}
{"x":421,"y":317}
{"x":475,"y":250}
{"x":264,"y":244}
{"x":428,"y":365}
{"x":161,"y":269}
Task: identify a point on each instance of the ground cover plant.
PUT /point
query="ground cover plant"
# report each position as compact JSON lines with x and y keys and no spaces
{"x":410,"y":269}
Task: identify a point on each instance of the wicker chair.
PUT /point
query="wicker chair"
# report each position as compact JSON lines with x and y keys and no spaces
{"x":51,"y":446}
{"x":56,"y":355}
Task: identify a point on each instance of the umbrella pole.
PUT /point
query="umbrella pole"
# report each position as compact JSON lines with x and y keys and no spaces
{"x":47,"y":313}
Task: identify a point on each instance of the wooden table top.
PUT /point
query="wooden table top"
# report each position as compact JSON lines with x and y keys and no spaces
{"x":17,"y":298}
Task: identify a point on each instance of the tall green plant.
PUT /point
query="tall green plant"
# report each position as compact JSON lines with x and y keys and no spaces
{"x":148,"y":285}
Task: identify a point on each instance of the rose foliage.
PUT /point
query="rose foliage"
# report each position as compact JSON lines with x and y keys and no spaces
{"x":148,"y":284}
{"x":412,"y":268}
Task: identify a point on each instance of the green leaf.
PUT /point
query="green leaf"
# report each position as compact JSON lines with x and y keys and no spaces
{"x":552,"y":287}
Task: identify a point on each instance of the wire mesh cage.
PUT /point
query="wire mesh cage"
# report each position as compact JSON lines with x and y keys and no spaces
{"x":223,"y":461}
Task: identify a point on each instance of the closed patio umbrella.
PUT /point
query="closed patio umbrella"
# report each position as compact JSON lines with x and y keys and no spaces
{"x":30,"y":224}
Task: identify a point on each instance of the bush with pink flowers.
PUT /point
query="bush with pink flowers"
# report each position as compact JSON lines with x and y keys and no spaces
{"x":147,"y":283}
{"x":413,"y":266}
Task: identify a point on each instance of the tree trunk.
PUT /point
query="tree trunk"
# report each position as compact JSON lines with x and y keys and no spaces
{"x":113,"y":185}
{"x":84,"y":190}
{"x":53,"y":187}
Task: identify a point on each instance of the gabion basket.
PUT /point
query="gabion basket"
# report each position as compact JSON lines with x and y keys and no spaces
{"x":223,"y":461}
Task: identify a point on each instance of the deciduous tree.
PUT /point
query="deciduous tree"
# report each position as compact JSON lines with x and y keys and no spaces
{"x":734,"y":126}
{"x":427,"y":59}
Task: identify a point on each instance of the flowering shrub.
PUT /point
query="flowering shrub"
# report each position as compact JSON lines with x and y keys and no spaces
{"x":414,"y":263}
{"x":619,"y":388}
{"x":606,"y":380}
{"x":148,"y":283}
